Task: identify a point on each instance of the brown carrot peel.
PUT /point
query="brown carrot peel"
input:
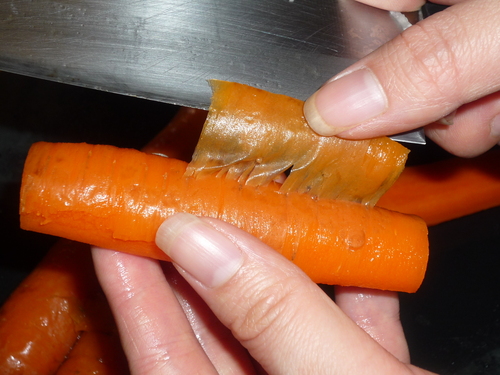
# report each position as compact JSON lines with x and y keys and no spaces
{"x":117,"y":198}
{"x":254,"y":135}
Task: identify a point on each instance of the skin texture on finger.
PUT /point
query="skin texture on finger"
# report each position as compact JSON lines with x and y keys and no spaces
{"x":287,"y":323}
{"x":223,"y":350}
{"x":448,"y":2}
{"x":395,"y":5}
{"x":405,"y":6}
{"x":471,"y":133}
{"x":431,"y":69}
{"x":157,"y":338}
{"x":377,"y":312}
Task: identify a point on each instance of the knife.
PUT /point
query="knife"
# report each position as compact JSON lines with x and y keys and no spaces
{"x":167,"y":50}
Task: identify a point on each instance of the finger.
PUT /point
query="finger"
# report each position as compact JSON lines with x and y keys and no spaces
{"x":448,"y":2}
{"x":395,"y":5}
{"x":377,"y":313}
{"x":156,"y":336}
{"x":475,"y":128}
{"x":285,"y":320}
{"x":431,"y":69}
{"x":223,"y":350}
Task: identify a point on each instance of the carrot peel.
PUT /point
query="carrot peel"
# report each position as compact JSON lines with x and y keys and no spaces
{"x":117,"y":198}
{"x":253,"y":135}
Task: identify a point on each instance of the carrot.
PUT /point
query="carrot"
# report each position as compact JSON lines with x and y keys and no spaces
{"x":447,"y":189}
{"x":95,"y":352}
{"x":48,"y":319}
{"x":44,"y":317}
{"x":178,"y":140}
{"x":58,"y":318}
{"x":117,"y":198}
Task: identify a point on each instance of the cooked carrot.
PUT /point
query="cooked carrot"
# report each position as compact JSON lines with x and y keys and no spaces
{"x":447,"y":189}
{"x":253,"y":135}
{"x":117,"y":198}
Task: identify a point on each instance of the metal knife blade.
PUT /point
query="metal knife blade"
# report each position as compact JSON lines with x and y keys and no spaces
{"x":167,"y":50}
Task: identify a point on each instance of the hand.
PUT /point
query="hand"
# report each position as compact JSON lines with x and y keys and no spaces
{"x":243,"y":310}
{"x":446,"y":66}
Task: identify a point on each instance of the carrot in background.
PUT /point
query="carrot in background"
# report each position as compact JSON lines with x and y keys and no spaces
{"x":178,"y":140}
{"x":117,"y":198}
{"x":44,"y":317}
{"x":447,"y":189}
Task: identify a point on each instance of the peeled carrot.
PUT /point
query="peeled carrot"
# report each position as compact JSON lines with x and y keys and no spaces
{"x":117,"y":198}
{"x":447,"y":189}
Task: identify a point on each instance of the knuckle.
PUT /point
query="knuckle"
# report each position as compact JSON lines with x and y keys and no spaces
{"x":150,"y":364}
{"x":430,"y":61}
{"x":269,"y":309}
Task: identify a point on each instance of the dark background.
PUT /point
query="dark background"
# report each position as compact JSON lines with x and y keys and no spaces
{"x":452,"y":322}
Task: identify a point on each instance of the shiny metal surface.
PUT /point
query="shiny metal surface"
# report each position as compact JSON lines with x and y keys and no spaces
{"x":166,"y":50}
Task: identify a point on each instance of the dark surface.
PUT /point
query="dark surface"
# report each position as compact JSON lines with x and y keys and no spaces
{"x":452,"y":322}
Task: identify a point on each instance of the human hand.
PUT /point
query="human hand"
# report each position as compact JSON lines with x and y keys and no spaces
{"x":446,"y":66}
{"x":244,"y":309}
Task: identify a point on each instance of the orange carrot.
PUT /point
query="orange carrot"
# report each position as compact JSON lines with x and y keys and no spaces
{"x":58,"y":317}
{"x":178,"y":140}
{"x":44,"y":317}
{"x":95,"y":352}
{"x":117,"y":198}
{"x":447,"y":189}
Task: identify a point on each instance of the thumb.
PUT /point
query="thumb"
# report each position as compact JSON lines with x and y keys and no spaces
{"x":423,"y":75}
{"x":284,"y":320}
{"x":396,"y":5}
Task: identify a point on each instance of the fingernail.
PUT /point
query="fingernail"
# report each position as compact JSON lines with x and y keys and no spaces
{"x":495,"y":127}
{"x":345,"y":102}
{"x":198,"y":248}
{"x":448,"y":120}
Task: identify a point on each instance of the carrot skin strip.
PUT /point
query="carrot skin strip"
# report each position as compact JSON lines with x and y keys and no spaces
{"x":448,"y":189}
{"x":241,"y":116}
{"x":117,"y":198}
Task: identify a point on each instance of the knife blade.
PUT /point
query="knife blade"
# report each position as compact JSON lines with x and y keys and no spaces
{"x":167,"y":50}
